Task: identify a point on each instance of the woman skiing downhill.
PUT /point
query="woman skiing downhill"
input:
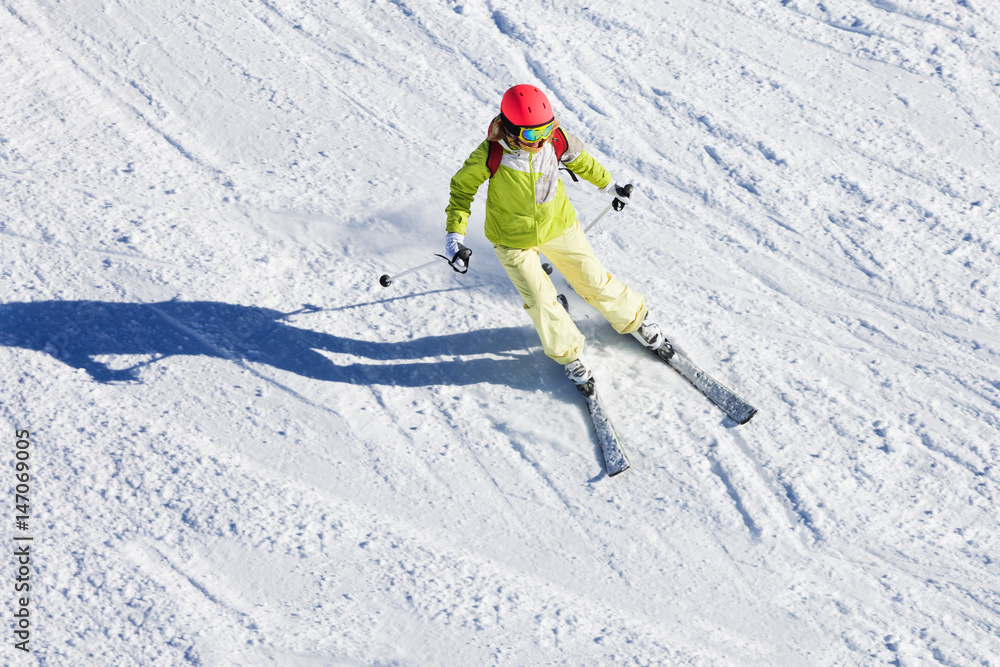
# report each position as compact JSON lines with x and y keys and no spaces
{"x":527,"y":212}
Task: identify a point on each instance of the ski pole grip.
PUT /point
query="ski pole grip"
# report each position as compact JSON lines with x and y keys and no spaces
{"x":623,"y":195}
{"x":463,"y":254}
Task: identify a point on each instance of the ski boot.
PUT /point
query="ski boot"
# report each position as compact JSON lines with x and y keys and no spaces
{"x":650,"y":336}
{"x":579,"y":372}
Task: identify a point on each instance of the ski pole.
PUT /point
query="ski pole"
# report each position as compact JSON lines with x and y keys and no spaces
{"x":628,"y":191}
{"x":598,"y":218}
{"x":385,"y":279}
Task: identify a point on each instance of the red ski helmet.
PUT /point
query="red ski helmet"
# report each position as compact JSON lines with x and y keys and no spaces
{"x":525,"y":106}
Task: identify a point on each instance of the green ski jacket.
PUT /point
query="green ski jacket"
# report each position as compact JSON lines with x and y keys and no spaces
{"x":526,"y":203}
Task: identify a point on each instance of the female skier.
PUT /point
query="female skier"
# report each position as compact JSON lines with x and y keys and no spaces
{"x":527,"y":212}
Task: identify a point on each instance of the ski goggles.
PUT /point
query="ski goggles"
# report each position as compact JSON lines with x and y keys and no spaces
{"x":531,"y":135}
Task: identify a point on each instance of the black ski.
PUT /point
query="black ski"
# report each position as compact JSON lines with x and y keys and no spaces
{"x":615,"y":460}
{"x":738,"y":409}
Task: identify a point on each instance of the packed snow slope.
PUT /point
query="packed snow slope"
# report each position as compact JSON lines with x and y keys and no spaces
{"x":245,"y":451}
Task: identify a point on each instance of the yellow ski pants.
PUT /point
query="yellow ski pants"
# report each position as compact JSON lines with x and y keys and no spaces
{"x":571,"y":253}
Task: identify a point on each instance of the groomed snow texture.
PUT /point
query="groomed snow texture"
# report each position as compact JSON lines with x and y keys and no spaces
{"x":245,"y":451}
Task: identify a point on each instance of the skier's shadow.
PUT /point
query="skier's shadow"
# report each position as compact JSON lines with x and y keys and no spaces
{"x":78,"y":332}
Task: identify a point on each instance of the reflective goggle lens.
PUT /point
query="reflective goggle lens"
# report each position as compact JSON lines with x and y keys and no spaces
{"x":533,"y":134}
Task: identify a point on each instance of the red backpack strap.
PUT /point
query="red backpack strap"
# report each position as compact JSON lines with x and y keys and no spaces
{"x":493,"y":157}
{"x":559,"y":143}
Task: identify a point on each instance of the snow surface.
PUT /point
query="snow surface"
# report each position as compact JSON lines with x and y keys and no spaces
{"x":247,"y":452}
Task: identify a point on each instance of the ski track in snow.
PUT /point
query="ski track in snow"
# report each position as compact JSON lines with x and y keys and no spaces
{"x":245,"y":451}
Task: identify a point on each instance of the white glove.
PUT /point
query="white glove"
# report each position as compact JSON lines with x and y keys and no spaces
{"x":452,"y":244}
{"x":622,"y":194}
